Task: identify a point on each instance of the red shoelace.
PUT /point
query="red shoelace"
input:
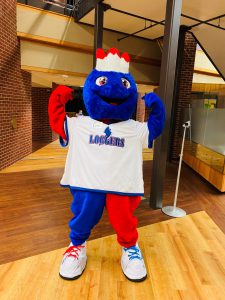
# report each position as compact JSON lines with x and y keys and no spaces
{"x":73,"y":251}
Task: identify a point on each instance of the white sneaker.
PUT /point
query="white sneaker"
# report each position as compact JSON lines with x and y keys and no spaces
{"x":132,"y":263}
{"x":73,"y":262}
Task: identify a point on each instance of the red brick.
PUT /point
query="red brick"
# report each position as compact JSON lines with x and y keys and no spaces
{"x":15,"y":96}
{"x":185,"y":86}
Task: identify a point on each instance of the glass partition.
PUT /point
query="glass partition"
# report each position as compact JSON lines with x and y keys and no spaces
{"x":207,"y":127}
{"x":214,"y":137}
{"x":207,"y":136}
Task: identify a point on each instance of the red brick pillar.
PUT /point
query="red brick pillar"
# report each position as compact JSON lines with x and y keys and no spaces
{"x":41,"y":130}
{"x":15,"y":92}
{"x":140,"y":114}
{"x":182,"y":95}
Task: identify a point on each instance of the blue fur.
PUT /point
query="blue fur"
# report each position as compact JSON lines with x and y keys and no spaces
{"x":113,"y":89}
{"x":157,"y":116}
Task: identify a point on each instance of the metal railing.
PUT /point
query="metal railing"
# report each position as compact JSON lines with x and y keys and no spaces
{"x":69,"y":4}
{"x":66,"y":7}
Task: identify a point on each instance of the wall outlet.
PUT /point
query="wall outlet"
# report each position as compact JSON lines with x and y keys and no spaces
{"x":14,"y":122}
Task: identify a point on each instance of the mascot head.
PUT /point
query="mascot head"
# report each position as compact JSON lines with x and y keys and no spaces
{"x":110,"y":91}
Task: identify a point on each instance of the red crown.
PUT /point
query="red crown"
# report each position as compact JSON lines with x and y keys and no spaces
{"x":112,"y":61}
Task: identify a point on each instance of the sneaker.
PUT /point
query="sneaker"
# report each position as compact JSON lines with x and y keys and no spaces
{"x":73,"y":262}
{"x":132,"y":263}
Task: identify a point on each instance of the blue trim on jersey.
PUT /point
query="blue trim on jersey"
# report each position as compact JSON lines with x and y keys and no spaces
{"x":101,"y":191}
{"x":61,"y":140}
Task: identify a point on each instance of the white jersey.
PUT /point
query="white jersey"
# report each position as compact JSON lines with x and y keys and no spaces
{"x":110,"y":164}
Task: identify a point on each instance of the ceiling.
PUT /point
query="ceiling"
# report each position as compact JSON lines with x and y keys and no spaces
{"x":211,"y":39}
{"x":155,"y":10}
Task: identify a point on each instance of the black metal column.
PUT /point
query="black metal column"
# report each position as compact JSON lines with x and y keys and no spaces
{"x":98,"y":29}
{"x":166,"y":90}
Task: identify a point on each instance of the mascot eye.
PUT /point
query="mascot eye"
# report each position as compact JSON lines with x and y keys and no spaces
{"x":101,"y":80}
{"x":125,"y":83}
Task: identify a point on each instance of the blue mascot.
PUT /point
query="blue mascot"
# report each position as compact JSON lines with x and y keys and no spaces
{"x":104,"y":161}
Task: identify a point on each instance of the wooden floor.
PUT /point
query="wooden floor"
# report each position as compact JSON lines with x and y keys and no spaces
{"x":50,"y":156}
{"x":35,"y":210}
{"x":185,"y":259}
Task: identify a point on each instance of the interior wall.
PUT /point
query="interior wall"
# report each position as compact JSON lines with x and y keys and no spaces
{"x":15,"y":92}
{"x":49,"y":25}
{"x":202,"y":62}
{"x":46,"y":57}
{"x":202,"y":87}
{"x":207,"y":79}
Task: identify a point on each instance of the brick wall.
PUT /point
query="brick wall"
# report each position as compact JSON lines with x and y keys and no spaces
{"x":184,"y":92}
{"x":140,"y":113}
{"x":41,"y":130}
{"x":15,"y":92}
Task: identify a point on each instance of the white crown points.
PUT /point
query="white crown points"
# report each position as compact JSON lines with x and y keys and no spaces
{"x":112,"y":61}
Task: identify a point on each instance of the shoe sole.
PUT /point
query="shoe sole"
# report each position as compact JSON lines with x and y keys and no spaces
{"x":136,"y":280}
{"x":75,"y":277}
{"x":72,"y":278}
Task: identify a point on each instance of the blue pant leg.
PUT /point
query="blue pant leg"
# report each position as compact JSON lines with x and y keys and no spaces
{"x":87,"y":208}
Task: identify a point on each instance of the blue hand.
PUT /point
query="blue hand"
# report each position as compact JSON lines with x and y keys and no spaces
{"x":150,"y":99}
{"x":156,"y":119}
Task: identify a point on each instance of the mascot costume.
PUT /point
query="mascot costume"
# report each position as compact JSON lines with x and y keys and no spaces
{"x":104,"y":161}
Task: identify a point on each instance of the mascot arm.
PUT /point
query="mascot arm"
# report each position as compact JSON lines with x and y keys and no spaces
{"x":156,"y":119}
{"x":56,"y":109}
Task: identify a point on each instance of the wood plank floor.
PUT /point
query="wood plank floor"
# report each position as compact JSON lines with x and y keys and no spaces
{"x":48,"y":157}
{"x":35,"y":210}
{"x":185,"y":259}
